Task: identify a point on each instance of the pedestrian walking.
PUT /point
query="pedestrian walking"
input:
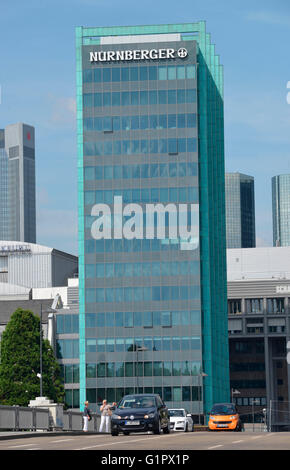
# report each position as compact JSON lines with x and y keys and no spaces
{"x":106,"y":414}
{"x":86,"y":416}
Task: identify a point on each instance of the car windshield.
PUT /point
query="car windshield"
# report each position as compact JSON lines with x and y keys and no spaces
{"x":176,"y":413}
{"x":137,"y":402}
{"x":223,"y":410}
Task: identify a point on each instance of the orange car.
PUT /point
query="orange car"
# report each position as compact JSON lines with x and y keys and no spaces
{"x":224,"y":416}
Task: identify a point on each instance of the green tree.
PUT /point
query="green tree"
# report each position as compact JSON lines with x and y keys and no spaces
{"x":20,"y":362}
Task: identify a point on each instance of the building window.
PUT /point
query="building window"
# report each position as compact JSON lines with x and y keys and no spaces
{"x":142,"y":73}
{"x":72,"y":398}
{"x":71,"y":373}
{"x":67,"y":348}
{"x":186,"y":393}
{"x":276,"y":328}
{"x":254,"y":305}
{"x":141,"y":369}
{"x":275,"y":305}
{"x":248,"y":401}
{"x":255,"y":325}
{"x":248,"y":384}
{"x":91,"y":371}
{"x":242,"y":347}
{"x":247,"y":367}
{"x":67,"y":324}
{"x":234,"y":306}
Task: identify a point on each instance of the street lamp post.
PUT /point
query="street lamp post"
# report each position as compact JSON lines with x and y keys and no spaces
{"x":234,"y":392}
{"x":48,"y":310}
{"x":40,"y":353}
{"x":200,"y":393}
{"x":254,"y":402}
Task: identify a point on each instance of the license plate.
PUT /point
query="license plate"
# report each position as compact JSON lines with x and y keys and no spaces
{"x":132,"y":423}
{"x":222,"y":425}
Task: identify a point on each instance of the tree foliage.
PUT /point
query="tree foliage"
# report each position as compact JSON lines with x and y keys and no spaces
{"x":20,"y":362}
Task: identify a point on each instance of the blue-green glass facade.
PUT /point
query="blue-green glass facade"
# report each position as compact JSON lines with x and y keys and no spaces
{"x":153,"y":315}
{"x":281,"y":210}
{"x":240,"y":210}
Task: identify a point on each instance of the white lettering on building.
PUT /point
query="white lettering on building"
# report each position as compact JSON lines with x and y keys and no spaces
{"x":138,"y":54}
{"x":283,"y":289}
{"x":11,"y":249}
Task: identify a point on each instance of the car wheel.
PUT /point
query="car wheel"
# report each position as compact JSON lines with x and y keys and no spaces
{"x":114,"y":433}
{"x":126,"y":433}
{"x":167,"y":429}
{"x":238,"y":428}
{"x":186,"y":428}
{"x":157,"y":430}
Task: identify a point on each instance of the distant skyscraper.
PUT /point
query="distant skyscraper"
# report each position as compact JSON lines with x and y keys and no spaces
{"x":4,"y":234}
{"x":240,"y":211}
{"x":281,"y":210}
{"x":17,"y":183}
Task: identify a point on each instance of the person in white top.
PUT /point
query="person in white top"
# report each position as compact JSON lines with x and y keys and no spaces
{"x":106,"y":414}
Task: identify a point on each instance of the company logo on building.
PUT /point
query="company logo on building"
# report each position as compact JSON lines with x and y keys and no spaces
{"x":11,"y":249}
{"x":283,"y":289}
{"x":182,"y":53}
{"x":137,"y":54}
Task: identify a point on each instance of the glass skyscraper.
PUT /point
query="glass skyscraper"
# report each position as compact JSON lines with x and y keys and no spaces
{"x":4,"y":228}
{"x":153,"y":306}
{"x":240,"y":211}
{"x":281,"y":210}
{"x":17,"y":183}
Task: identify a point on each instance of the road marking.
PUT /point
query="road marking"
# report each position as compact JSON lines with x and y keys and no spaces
{"x":61,"y":440}
{"x":257,"y":437}
{"x":112,"y":443}
{"x":23,"y":445}
{"x":215,"y":447}
{"x":236,"y":442}
{"x":123,"y":442}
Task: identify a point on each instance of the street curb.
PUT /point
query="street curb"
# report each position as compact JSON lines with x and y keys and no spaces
{"x":22,"y":435}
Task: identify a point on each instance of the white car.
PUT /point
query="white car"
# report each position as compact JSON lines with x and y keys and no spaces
{"x":180,"y":420}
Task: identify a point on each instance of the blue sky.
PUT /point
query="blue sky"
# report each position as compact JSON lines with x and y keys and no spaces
{"x":37,"y":79}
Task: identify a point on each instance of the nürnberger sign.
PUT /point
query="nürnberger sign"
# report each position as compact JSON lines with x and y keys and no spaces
{"x":139,"y":54}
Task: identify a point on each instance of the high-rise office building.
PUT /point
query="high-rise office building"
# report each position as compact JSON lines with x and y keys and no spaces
{"x":281,"y":210}
{"x":17,"y":183}
{"x":4,"y":233}
{"x":240,"y":211}
{"x":152,"y":240}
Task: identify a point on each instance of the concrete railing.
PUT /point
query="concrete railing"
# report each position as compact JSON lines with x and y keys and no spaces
{"x":73,"y":421}
{"x":21,"y":418}
{"x":18,"y":418}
